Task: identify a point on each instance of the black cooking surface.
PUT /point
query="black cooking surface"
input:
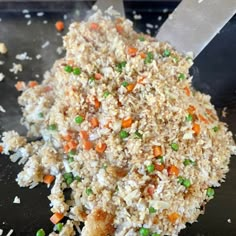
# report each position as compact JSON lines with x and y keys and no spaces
{"x":214,"y":73}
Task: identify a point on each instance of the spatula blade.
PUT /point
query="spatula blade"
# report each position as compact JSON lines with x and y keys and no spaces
{"x":194,"y":23}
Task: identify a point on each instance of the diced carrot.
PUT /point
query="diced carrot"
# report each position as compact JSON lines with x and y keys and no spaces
{"x":84,"y":134}
{"x":101,"y":147}
{"x":56,"y":218}
{"x":150,"y":191}
{"x":187,"y":91}
{"x":20,"y":85}
{"x":140,"y":81}
{"x":173,"y":217}
{"x":72,"y":144}
{"x":130,"y":87}
{"x":191,"y":109}
{"x":59,"y":25}
{"x":32,"y":84}
{"x":48,"y":179}
{"x":196,"y":128}
{"x":98,"y":76}
{"x":209,"y":112}
{"x":87,"y":145}
{"x":67,"y":137}
{"x":119,"y":28}
{"x":132,"y":51}
{"x":157,"y":151}
{"x":143,"y":55}
{"x":94,"y":26}
{"x":203,"y":119}
{"x":94,"y":122}
{"x":126,"y":123}
{"x":66,"y":148}
{"x":173,"y":170}
{"x":1,"y":149}
{"x":159,"y":167}
{"x":97,"y":104}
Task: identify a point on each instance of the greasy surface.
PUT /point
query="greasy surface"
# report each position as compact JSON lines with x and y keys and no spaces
{"x":214,"y":73}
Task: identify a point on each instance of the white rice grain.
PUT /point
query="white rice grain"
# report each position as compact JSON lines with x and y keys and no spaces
{"x":46,"y":44}
{"x":2,"y":76}
{"x":16,"y":200}
{"x":10,"y":232}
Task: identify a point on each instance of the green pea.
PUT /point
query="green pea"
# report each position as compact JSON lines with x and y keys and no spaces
{"x":181,"y":76}
{"x":166,"y":53}
{"x":78,"y":178}
{"x":123,"y":134}
{"x":175,"y":146}
{"x":89,"y":191}
{"x":210,"y":192}
{"x":188,"y":162}
{"x":68,"y":69}
{"x":71,"y":153}
{"x":40,"y":115}
{"x":106,"y":94}
{"x":120,"y":66}
{"x":149,"y":58}
{"x":76,"y":71}
{"x":79,"y":119}
{"x":150,"y":168}
{"x":152,"y":210}
{"x":125,"y":84}
{"x":186,"y":183}
{"x":59,"y":227}
{"x":189,"y":117}
{"x":144,"y":232}
{"x":52,"y":127}
{"x":40,"y":232}
{"x":69,"y":180}
{"x":67,"y":175}
{"x":141,"y":38}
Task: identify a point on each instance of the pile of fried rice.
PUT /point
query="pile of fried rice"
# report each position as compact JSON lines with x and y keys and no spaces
{"x":119,"y":124}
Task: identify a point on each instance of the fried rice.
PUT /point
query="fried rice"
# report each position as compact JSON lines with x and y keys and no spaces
{"x":121,"y":126}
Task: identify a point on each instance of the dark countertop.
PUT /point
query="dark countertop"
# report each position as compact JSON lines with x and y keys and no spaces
{"x":214,"y":73}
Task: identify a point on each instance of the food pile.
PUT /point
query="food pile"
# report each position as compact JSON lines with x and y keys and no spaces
{"x":120,"y":125}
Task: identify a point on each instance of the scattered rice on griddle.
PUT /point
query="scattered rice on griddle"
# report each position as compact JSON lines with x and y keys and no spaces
{"x":156,"y":170}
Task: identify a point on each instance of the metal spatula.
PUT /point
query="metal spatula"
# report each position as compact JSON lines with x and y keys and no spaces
{"x":194,"y":23}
